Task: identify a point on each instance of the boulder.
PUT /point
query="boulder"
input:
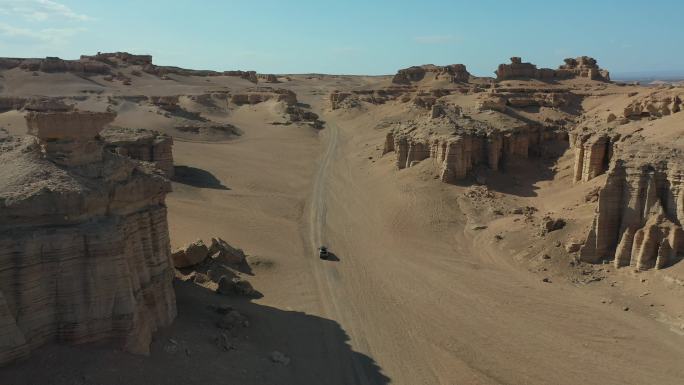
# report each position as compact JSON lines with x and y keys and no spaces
{"x":190,"y":255}
{"x":221,"y":249}
{"x":236,"y":285}
{"x":552,"y":224}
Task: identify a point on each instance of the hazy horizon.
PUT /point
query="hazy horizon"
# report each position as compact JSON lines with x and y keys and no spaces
{"x":351,"y":37}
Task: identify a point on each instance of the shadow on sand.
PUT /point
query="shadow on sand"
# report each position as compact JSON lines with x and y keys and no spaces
{"x":196,"y":177}
{"x":188,"y":352}
{"x":332,"y":257}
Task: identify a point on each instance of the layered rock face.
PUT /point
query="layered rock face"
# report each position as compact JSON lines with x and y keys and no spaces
{"x":654,"y":105}
{"x":457,"y":154}
{"x":8,"y":103}
{"x":639,"y":216}
{"x":262,"y":94}
{"x":582,"y":67}
{"x":592,"y":155}
{"x":141,"y":144}
{"x":125,"y":57}
{"x":168,"y":103}
{"x":638,"y":220}
{"x":454,"y":73}
{"x":84,"y":244}
{"x":55,"y":64}
{"x":498,"y":98}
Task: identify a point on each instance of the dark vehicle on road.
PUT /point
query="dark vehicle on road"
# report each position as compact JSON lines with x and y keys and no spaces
{"x":323,"y":252}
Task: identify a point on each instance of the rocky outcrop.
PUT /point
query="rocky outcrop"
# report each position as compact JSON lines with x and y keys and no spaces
{"x":120,"y":57}
{"x":54,"y":64}
{"x":268,"y":78}
{"x":141,"y":144}
{"x":581,"y":67}
{"x":353,"y":99}
{"x":518,"y":69}
{"x":454,"y":73}
{"x":592,"y":155}
{"x":261,"y":94}
{"x":639,"y":216}
{"x":653,"y":105}
{"x":84,"y":244}
{"x":68,"y":138}
{"x":498,"y":98}
{"x":9,"y":103}
{"x":167,"y":103}
{"x":456,"y":155}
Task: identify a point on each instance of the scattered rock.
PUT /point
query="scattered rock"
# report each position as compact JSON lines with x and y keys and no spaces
{"x":190,"y":255}
{"x":573,"y":246}
{"x":551,"y":224}
{"x":221,"y":249}
{"x":200,"y":278}
{"x":227,"y":286}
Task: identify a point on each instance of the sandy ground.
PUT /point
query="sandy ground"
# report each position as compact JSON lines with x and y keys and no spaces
{"x":414,"y":295}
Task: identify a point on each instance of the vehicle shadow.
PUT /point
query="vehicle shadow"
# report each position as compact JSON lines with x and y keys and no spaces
{"x":332,"y":257}
{"x":193,"y":351}
{"x":196,"y":177}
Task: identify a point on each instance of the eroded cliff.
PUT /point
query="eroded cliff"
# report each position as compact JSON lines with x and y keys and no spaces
{"x":84,"y":242}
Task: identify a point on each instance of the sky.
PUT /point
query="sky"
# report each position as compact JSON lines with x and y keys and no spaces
{"x":353,"y":36}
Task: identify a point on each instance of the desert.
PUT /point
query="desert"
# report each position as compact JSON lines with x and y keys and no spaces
{"x":163,"y":225}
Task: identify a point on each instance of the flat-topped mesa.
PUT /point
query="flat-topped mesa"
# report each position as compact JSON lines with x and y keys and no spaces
{"x":581,"y":67}
{"x":125,"y":57}
{"x":67,"y":137}
{"x":54,"y":64}
{"x":84,"y":241}
{"x":454,"y":73}
{"x":141,"y":144}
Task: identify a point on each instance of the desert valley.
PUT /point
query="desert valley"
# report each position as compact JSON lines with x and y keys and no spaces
{"x":161,"y":225}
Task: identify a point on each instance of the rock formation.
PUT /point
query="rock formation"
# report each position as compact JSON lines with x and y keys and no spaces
{"x":592,"y":155}
{"x":141,"y":144}
{"x":463,"y":144}
{"x":84,"y":244}
{"x":581,"y":67}
{"x":654,"y":105}
{"x":8,"y":103}
{"x":639,"y":215}
{"x":453,"y":73}
{"x":261,"y":94}
{"x":122,"y":57}
{"x":55,"y":64}
{"x":168,"y":103}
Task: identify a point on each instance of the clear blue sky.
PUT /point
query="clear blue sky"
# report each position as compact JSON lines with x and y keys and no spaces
{"x":351,"y":36}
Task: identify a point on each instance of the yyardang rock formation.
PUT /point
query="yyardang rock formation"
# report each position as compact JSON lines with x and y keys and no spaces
{"x":141,"y":144}
{"x":84,"y":242}
{"x":640,"y":209}
{"x":582,"y":67}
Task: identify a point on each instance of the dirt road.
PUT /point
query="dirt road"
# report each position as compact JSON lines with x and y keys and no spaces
{"x":433,"y":303}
